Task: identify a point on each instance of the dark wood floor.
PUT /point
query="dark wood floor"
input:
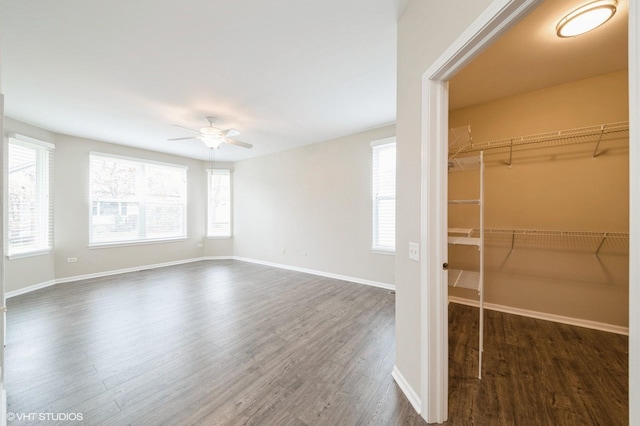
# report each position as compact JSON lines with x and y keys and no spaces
{"x":232,"y":343}
{"x":535,"y":372}
{"x":211,"y":343}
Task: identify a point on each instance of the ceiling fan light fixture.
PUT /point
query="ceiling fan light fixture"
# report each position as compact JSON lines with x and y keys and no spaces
{"x":586,"y":18}
{"x":212,"y":141}
{"x":210,"y":131}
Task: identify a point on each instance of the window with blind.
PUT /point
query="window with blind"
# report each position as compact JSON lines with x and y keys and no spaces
{"x":30,"y":209}
{"x":135,"y":200}
{"x":384,"y":195}
{"x":219,"y":203}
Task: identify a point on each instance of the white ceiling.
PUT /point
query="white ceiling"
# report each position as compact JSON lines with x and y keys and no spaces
{"x":283,"y":72}
{"x":530,"y":56}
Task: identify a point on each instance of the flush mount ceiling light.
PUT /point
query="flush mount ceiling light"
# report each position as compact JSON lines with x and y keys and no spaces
{"x":586,"y":18}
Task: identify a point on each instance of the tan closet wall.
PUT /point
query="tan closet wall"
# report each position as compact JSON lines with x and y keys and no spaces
{"x":560,"y":188}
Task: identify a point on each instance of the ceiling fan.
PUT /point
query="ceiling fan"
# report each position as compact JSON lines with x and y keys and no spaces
{"x":213,"y":137}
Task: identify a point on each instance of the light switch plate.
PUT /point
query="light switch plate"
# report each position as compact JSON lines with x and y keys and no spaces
{"x":414,"y":251}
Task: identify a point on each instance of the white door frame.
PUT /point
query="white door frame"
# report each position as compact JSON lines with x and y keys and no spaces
{"x":497,"y":18}
{"x":634,"y":212}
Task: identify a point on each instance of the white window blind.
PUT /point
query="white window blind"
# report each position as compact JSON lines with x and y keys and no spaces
{"x":384,"y":195}
{"x":30,"y":205}
{"x":219,"y":203}
{"x":136,"y":200}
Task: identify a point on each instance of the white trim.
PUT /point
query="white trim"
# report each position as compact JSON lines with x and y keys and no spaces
{"x":594,"y":325}
{"x":386,"y":141}
{"x":384,"y":252}
{"x":319,"y":273}
{"x":406,"y":388}
{"x":113,"y":244}
{"x":218,"y":258}
{"x":496,"y":19}
{"x":39,"y":252}
{"x":3,"y":407}
{"x":35,"y":287}
{"x":29,"y":289}
{"x":634,"y":213}
{"x":126,"y":270}
{"x":30,"y":140}
{"x":433,"y":237}
{"x":137,"y":160}
{"x":99,"y":275}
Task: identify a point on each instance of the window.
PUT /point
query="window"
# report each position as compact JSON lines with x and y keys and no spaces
{"x":30,"y":212}
{"x":384,"y":195}
{"x":134,"y":200}
{"x":219,"y":203}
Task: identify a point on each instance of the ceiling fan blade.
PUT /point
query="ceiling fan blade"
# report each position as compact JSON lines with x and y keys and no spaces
{"x":183,"y":139}
{"x":186,"y":128}
{"x":238,"y":143}
{"x":229,"y":133}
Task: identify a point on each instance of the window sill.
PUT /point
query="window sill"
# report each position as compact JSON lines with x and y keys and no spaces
{"x":384,"y":252}
{"x":28,"y":254}
{"x":134,"y":243}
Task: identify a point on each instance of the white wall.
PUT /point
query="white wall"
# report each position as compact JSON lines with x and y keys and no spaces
{"x":425,"y":30}
{"x":314,"y":203}
{"x":71,"y":220}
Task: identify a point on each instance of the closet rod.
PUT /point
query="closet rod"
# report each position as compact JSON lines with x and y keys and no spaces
{"x":589,"y":134}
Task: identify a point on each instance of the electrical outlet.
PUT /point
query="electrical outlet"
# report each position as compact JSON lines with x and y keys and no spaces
{"x":414,"y":251}
{"x":72,"y":259}
{"x":200,"y":245}
{"x":283,"y":250}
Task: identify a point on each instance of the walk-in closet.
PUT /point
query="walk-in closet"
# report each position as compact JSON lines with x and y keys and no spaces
{"x":549,"y":238}
{"x":556,"y":199}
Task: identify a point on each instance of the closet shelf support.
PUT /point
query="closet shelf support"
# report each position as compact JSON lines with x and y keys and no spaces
{"x":604,"y":238}
{"x":595,"y":151}
{"x":510,"y":152}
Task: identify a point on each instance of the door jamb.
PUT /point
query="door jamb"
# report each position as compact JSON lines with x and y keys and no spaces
{"x":496,"y":19}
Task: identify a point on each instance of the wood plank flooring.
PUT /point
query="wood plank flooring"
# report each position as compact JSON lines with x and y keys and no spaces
{"x":535,"y":372}
{"x":208,"y":343}
{"x":233,"y":343}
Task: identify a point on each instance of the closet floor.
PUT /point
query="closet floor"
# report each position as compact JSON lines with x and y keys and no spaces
{"x":535,"y":372}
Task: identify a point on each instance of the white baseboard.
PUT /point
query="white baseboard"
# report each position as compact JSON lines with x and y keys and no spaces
{"x":319,"y":273}
{"x":127,"y":270}
{"x":408,"y":391}
{"x":29,"y":289}
{"x":38,"y":286}
{"x":217,"y":258}
{"x":544,"y":316}
{"x":35,"y":287}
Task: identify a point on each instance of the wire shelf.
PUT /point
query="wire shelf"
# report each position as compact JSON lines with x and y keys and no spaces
{"x":589,"y":134}
{"x":583,"y":241}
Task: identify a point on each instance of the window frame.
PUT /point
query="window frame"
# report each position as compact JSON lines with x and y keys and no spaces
{"x":139,"y":162}
{"x":376,"y":147}
{"x":210,"y":173}
{"x":44,"y":152}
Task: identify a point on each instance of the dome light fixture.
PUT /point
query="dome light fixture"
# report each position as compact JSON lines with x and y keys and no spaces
{"x":586,"y":18}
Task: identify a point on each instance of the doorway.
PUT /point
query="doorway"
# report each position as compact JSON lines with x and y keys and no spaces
{"x":496,"y":20}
